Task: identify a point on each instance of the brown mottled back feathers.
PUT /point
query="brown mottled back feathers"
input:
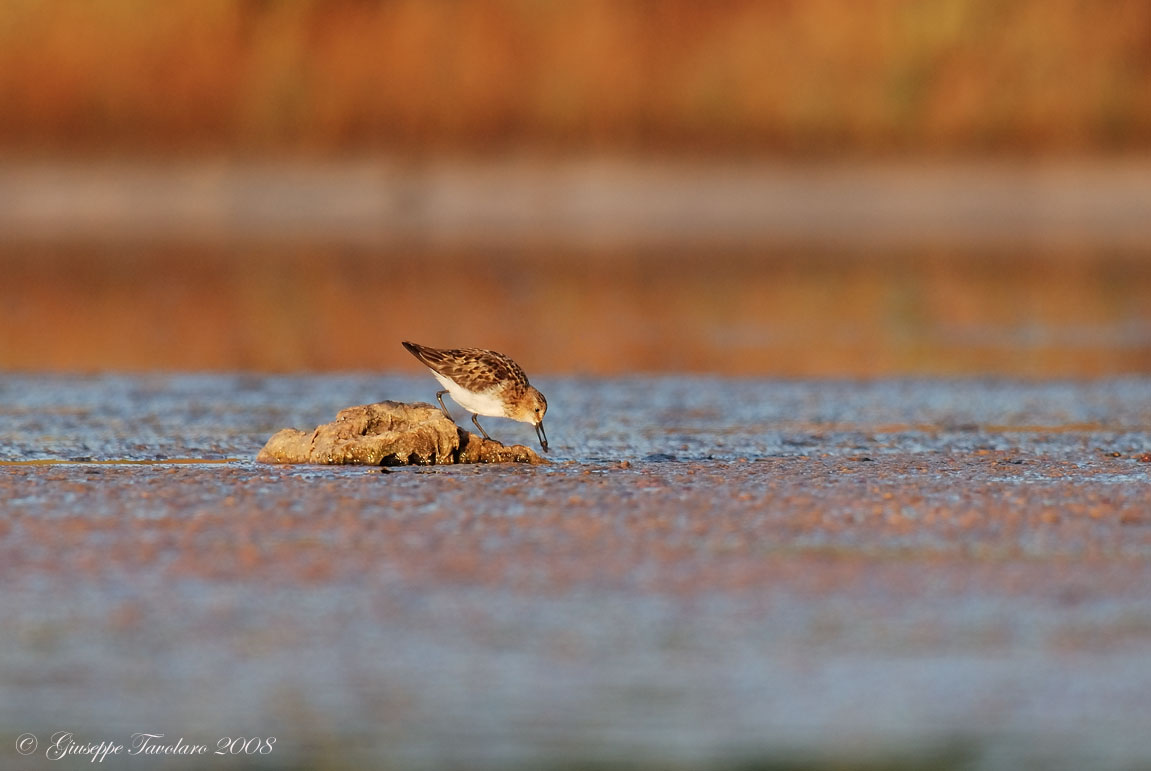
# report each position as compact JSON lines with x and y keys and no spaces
{"x":475,"y":369}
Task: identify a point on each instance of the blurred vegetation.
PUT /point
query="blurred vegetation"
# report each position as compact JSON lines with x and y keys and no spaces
{"x":776,"y":76}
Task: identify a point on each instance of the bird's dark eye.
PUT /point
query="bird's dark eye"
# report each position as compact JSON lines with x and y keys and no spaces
{"x":537,"y":409}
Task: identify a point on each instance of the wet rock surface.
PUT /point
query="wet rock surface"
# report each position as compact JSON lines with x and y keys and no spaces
{"x":390,"y":434}
{"x":929,"y":574}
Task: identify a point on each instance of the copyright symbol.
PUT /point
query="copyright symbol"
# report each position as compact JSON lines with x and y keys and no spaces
{"x":26,"y":744}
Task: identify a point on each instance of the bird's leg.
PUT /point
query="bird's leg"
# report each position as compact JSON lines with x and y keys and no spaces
{"x":440,"y":399}
{"x":475,"y":419}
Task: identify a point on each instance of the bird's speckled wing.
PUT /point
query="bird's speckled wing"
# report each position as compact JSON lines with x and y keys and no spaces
{"x":475,"y":369}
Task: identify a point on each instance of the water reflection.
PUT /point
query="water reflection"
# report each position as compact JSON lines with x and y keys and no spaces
{"x":771,"y":310}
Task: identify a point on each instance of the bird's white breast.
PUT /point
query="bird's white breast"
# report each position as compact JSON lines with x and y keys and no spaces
{"x":486,"y":403}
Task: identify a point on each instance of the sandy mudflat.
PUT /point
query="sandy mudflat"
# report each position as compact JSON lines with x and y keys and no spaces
{"x":951,"y":573}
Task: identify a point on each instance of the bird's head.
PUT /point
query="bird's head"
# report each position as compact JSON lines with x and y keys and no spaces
{"x":532,"y":409}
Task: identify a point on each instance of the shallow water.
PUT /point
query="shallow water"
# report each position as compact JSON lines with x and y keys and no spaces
{"x":941,"y":573}
{"x":753,"y":310}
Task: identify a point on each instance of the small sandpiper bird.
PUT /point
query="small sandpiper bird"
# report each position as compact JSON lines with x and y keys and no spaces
{"x":485,"y":383}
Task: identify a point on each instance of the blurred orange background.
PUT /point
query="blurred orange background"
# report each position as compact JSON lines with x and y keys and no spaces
{"x":782,"y":76}
{"x":121,"y":250}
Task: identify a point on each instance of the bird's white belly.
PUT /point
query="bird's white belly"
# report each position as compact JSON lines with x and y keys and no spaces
{"x":478,"y":403}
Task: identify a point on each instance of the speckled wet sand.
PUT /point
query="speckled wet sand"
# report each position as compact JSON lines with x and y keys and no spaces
{"x":939,"y":574}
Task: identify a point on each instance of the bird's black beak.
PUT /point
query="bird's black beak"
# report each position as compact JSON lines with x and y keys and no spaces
{"x":543,"y":437}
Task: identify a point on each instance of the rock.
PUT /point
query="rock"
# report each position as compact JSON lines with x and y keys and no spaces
{"x":390,"y":434}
